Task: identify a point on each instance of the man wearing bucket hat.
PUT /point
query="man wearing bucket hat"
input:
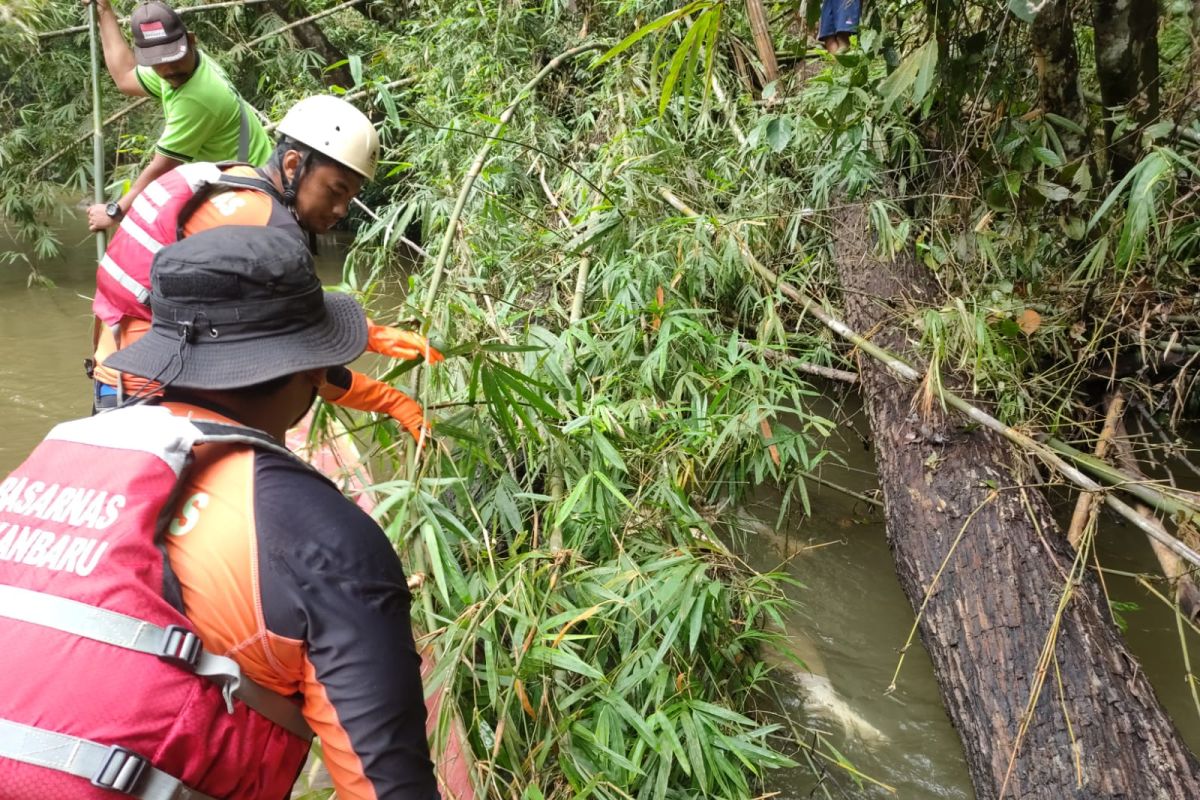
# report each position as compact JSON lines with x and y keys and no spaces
{"x":205,"y":117}
{"x":275,"y":593}
{"x":327,"y":149}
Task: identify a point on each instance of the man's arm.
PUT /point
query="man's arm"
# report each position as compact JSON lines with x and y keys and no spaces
{"x":98,"y":218}
{"x":118,"y":55}
{"x":328,"y":577}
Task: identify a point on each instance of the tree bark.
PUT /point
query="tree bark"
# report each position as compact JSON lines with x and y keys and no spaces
{"x":992,"y":609}
{"x":311,"y":37}
{"x":1053,"y":39}
{"x":1127,"y":69}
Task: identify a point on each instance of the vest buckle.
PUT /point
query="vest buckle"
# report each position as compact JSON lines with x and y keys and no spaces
{"x":180,"y":646}
{"x":121,"y":770}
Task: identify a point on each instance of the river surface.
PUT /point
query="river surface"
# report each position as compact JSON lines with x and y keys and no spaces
{"x":851,"y":618}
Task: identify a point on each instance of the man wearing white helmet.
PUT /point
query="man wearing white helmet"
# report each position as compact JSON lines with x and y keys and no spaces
{"x":327,"y":149}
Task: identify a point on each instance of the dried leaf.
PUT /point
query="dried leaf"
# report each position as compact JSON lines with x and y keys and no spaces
{"x":1029,"y":321}
{"x":765,"y":427}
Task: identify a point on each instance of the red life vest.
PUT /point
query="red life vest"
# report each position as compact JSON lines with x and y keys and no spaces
{"x":104,"y":679}
{"x":154,"y":221}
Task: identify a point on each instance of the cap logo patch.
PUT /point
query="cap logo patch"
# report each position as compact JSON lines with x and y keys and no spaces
{"x":153,"y":30}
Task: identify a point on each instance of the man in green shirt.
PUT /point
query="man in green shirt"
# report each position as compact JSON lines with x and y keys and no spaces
{"x":206,"y":119}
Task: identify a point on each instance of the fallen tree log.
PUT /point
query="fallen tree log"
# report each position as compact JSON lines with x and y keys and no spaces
{"x":1047,"y":700}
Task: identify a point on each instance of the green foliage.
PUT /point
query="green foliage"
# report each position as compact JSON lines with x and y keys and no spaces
{"x":594,"y":634}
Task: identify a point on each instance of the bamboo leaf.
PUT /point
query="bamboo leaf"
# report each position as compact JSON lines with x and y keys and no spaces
{"x":649,"y":28}
{"x":564,"y":659}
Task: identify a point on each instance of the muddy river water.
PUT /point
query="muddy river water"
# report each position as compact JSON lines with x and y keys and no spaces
{"x":851,"y":616}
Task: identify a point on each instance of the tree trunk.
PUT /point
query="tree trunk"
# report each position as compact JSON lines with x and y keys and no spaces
{"x":994,"y":606}
{"x":311,"y":37}
{"x":1053,"y":39}
{"x":1127,"y":69}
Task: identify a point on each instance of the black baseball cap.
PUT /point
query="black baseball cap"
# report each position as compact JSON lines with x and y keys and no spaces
{"x":159,"y":35}
{"x":237,"y":305}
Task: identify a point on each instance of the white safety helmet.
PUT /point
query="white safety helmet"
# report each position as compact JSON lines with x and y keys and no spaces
{"x":334,"y":128}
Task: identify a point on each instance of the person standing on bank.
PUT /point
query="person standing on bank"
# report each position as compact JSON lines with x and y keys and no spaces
{"x":839,"y":21}
{"x":205,"y":119}
{"x":226,"y":601}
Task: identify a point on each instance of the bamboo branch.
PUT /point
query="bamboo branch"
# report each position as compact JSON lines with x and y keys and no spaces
{"x":1180,"y":578}
{"x":87,"y":135}
{"x":44,"y":35}
{"x":832,"y":373}
{"x":477,"y":167}
{"x":557,"y":481}
{"x":904,"y":371}
{"x":1145,"y":490}
{"x":1083,"y":505}
{"x":296,"y":24}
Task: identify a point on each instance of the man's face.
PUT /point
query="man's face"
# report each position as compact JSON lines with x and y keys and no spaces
{"x":324,"y":195}
{"x":176,"y":73}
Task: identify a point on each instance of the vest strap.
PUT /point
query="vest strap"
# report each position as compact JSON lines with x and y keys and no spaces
{"x":108,"y":767}
{"x":174,"y":643}
{"x":243,"y":131}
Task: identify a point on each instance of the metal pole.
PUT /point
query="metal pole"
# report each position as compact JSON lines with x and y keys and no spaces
{"x":97,"y":126}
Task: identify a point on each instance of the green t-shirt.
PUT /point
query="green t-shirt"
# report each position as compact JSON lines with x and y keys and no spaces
{"x":203,"y":116}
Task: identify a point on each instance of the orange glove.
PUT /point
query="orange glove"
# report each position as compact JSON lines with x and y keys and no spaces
{"x":368,"y":394}
{"x":395,"y":343}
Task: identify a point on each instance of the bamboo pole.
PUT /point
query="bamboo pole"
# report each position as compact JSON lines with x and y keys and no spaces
{"x":439,"y":266}
{"x":906,"y":372}
{"x":97,"y":128}
{"x":44,"y":35}
{"x":761,"y":31}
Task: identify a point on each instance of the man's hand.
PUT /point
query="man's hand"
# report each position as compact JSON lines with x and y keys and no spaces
{"x":98,"y":218}
{"x":118,"y":56}
{"x":368,"y":394}
{"x":395,"y":343}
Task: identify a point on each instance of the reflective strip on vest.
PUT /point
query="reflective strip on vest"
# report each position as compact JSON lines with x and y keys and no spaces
{"x":149,"y":429}
{"x":157,"y":193}
{"x":140,"y":236}
{"x":144,"y":209}
{"x":173,"y":644}
{"x":128,"y":283}
{"x":108,"y":767}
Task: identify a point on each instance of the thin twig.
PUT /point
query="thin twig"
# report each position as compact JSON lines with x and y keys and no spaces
{"x":477,"y":167}
{"x":116,"y":115}
{"x":296,"y":24}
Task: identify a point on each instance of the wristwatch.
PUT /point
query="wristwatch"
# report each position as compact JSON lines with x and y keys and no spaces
{"x":114,"y":210}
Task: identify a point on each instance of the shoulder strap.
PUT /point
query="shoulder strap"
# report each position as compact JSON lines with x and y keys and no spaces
{"x":243,"y":131}
{"x":174,"y":644}
{"x":224,"y":183}
{"x":109,"y":767}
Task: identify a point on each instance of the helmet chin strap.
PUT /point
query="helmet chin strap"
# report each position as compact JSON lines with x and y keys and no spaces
{"x":289,"y":195}
{"x":292,"y":185}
